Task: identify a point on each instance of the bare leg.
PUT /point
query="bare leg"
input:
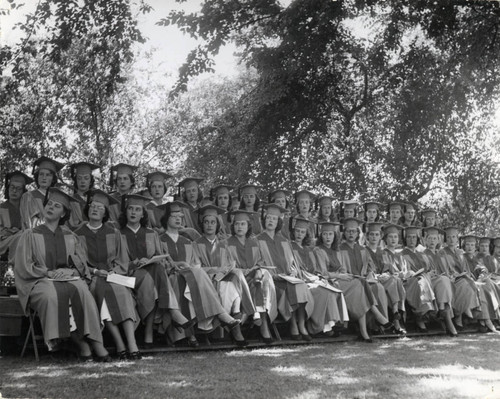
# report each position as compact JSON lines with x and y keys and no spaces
{"x":264,"y":327}
{"x":294,"y":330}
{"x":83,"y":346}
{"x":301,"y":320}
{"x":177,"y":316}
{"x":129,"y":330}
{"x":378,"y":316}
{"x":117,"y":337}
{"x":362,"y":327}
{"x":148,"y":328}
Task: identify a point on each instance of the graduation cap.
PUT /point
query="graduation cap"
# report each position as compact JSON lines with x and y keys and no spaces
{"x":103,"y":197}
{"x":219,"y":190}
{"x":279,"y":193}
{"x":241,"y":214}
{"x":47,"y":163}
{"x":428,"y":212}
{"x":301,"y":222}
{"x":392,"y":228}
{"x":121,"y":169}
{"x":395,"y":204}
{"x":374,"y":226}
{"x":352,"y":223}
{"x":209,"y":210}
{"x":57,"y":195}
{"x":136,"y":199}
{"x":432,"y":230}
{"x":304,"y":193}
{"x":371,"y":204}
{"x":81,"y":168}
{"x":273,"y":209}
{"x":329,"y":226}
{"x":157,"y":176}
{"x":247,"y":189}
{"x":18,"y":177}
{"x":412,"y":230}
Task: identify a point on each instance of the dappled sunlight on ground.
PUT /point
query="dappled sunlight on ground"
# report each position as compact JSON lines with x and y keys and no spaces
{"x":456,"y":380}
{"x":269,"y":352}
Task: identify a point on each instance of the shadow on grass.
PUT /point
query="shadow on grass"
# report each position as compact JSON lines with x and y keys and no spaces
{"x":431,"y":367}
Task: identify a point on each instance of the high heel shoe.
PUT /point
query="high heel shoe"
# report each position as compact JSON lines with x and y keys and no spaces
{"x":230,"y":325}
{"x":193,"y":343}
{"x":296,"y":337}
{"x":123,"y":355}
{"x":103,"y":359}
{"x":186,"y":325}
{"x":422,"y":330}
{"x":365,"y":340}
{"x":135,"y":355}
{"x":268,"y":340}
{"x":241,"y":344}
{"x":306,"y":337}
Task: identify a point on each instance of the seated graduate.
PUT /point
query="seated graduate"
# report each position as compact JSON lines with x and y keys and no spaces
{"x":349,"y":273}
{"x":83,"y":181}
{"x":244,"y":251}
{"x":51,"y":278}
{"x":330,"y":308}
{"x":280,"y":198}
{"x":45,"y":175}
{"x":156,"y":300}
{"x":250,"y":202}
{"x":156,"y":183}
{"x":191,"y":194}
{"x":10,"y":213}
{"x":115,"y":302}
{"x":122,"y":177}
{"x":221,"y":197}
{"x":423,"y":302}
{"x":197,"y":296}
{"x":295,"y":302}
{"x":214,"y":257}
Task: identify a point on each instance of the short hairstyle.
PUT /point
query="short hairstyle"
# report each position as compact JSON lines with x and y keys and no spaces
{"x":54,"y":177}
{"x":306,"y":242}
{"x":335,"y":243}
{"x":122,"y":219}
{"x":249,"y":230}
{"x":279,"y":226}
{"x":201,"y":219}
{"x":86,"y":209}
{"x":7,"y":185}
{"x":67,"y":212}
{"x":256,"y":206}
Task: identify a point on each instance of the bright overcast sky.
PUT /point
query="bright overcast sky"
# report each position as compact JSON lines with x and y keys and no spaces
{"x":168,"y":45}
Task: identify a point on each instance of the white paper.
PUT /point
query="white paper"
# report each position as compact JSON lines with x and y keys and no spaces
{"x":121,"y":280}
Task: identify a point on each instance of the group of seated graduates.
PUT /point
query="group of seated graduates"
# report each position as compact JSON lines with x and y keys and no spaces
{"x":85,"y":258}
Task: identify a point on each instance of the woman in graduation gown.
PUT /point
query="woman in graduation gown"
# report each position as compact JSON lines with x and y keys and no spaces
{"x":329,"y":304}
{"x":250,"y":202}
{"x":358,"y":294}
{"x":190,"y":193}
{"x":326,"y":210}
{"x":304,"y":206}
{"x":295,"y":302}
{"x":221,"y":197}
{"x":244,"y":251}
{"x":45,"y":175}
{"x":393,"y":273}
{"x":194,"y":289}
{"x":122,"y":177}
{"x":490,"y":303}
{"x":215,"y":259}
{"x":280,"y":198}
{"x":10,"y":214}
{"x":83,"y":181}
{"x":428,"y":291}
{"x":51,"y":278}
{"x":447,"y":262}
{"x":156,"y":183}
{"x":156,"y":301}
{"x":115,"y":302}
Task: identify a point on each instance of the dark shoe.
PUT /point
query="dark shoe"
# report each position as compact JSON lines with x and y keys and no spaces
{"x":267,"y":341}
{"x":135,"y":356}
{"x":241,"y":344}
{"x":123,"y":355}
{"x":147,"y":345}
{"x":85,"y":359}
{"x":306,"y":337}
{"x":187,"y":324}
{"x":422,"y":330}
{"x":193,"y":343}
{"x":483,"y":329}
{"x":399,"y":331}
{"x":232,"y":324}
{"x":453,"y":335}
{"x":296,"y":337}
{"x":365,"y":340}
{"x":103,"y":359}
{"x":386,"y":325}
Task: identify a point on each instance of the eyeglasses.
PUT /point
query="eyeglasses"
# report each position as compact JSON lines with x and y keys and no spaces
{"x":97,"y":206}
{"x":16,"y":188}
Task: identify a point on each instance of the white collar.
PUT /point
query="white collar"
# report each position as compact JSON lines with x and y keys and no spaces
{"x":94,"y":228}
{"x":173,"y":236}
{"x":134,"y":230}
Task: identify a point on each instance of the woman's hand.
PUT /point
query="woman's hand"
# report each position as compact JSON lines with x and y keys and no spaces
{"x":101,"y":273}
{"x":63,"y":272}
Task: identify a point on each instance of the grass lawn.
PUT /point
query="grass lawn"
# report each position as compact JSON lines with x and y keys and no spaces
{"x":423,"y":368}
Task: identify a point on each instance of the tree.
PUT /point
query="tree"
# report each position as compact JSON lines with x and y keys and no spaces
{"x":360,"y":98}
